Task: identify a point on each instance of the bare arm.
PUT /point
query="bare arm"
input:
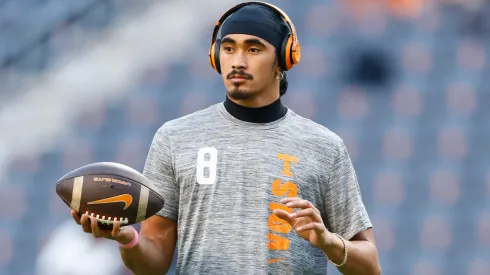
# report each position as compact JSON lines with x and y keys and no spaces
{"x":154,"y":252}
{"x":347,"y":216}
{"x":362,"y":257}
{"x":155,"y":249}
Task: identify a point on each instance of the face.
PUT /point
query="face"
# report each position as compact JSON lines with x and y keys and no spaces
{"x":248,"y":66}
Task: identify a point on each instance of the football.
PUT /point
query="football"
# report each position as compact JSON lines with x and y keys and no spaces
{"x":109,"y":192}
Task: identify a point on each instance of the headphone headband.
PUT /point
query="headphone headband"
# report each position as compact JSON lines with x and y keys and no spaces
{"x":292,"y":51}
{"x":239,"y":6}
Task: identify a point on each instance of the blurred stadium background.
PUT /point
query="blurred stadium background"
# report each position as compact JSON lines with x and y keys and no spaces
{"x":406,"y":84}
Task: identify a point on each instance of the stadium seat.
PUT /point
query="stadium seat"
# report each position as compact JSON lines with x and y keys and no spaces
{"x":142,"y":112}
{"x":7,"y":252}
{"x":479,"y":266}
{"x":302,"y":102}
{"x":483,"y":227}
{"x":132,"y":152}
{"x":436,"y":233}
{"x":397,"y":144}
{"x":77,"y":153}
{"x":444,"y":187}
{"x":15,"y":196}
{"x":419,"y":142}
{"x":426,"y":267}
{"x":389,"y":189}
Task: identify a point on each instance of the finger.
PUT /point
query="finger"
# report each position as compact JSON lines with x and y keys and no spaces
{"x":116,"y":229}
{"x":303,"y":204}
{"x":75,"y":216}
{"x":289,"y":199}
{"x":310,"y":226}
{"x":309,"y":212}
{"x":85,"y":223}
{"x":281,"y":214}
{"x":95,"y":227}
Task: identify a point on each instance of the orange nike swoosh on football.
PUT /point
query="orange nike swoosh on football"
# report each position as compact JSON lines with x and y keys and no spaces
{"x":126,"y":198}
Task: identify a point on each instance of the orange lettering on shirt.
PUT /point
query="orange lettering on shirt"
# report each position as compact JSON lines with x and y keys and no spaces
{"x":279,"y":225}
{"x":279,"y":190}
{"x":287,"y":163}
{"x":288,"y":188}
{"x":277,"y":242}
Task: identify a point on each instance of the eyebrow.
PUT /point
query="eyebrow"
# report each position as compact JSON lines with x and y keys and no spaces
{"x":250,"y":42}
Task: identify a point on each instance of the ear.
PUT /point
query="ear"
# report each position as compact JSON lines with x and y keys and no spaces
{"x":279,"y":70}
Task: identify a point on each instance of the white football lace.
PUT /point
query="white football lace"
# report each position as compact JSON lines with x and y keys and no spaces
{"x":107,"y":220}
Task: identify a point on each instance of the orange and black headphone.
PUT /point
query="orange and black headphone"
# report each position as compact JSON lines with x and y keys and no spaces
{"x":289,"y":54}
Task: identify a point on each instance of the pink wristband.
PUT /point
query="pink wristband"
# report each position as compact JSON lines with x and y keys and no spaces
{"x":133,"y":243}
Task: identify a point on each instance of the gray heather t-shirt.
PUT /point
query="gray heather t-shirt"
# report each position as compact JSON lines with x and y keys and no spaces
{"x":220,"y":178}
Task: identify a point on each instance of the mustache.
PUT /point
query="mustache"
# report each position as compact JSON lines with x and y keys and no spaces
{"x":239,"y":73}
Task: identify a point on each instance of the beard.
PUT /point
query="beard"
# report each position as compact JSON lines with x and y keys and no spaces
{"x":238,"y":94}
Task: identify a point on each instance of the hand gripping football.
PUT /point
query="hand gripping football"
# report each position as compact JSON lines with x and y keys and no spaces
{"x":109,"y":192}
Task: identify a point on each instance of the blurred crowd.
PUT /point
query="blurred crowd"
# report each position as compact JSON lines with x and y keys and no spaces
{"x":401,"y":81}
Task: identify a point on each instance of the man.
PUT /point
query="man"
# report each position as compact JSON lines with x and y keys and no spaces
{"x":250,"y":186}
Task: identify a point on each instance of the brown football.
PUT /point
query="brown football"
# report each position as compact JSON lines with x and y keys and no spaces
{"x":109,"y":192}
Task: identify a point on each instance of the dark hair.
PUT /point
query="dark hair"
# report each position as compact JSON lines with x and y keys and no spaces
{"x":283,"y":85}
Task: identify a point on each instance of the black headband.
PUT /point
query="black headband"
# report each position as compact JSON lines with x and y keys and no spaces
{"x":258,"y":21}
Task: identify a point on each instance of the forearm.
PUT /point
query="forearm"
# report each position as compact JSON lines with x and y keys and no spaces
{"x":145,"y":258}
{"x":362,"y":256}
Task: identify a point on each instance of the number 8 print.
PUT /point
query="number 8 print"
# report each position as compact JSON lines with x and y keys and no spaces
{"x":209,"y":165}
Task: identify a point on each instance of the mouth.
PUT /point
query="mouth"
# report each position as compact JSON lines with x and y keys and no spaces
{"x":238,"y":79}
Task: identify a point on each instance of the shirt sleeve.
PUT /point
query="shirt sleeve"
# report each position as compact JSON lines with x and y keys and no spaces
{"x":345,"y":212}
{"x":159,"y":171}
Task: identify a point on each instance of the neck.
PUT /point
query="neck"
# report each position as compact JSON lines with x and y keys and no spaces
{"x":256,"y":114}
{"x":255,"y":102}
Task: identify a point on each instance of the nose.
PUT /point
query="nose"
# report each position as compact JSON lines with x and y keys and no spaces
{"x":239,"y":61}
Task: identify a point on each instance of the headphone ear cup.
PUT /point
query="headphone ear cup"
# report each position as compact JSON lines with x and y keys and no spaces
{"x":296,"y":54}
{"x":216,"y":48}
{"x":288,"y":51}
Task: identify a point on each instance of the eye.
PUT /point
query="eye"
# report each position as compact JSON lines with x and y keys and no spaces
{"x":228,"y":49}
{"x":254,"y":50}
